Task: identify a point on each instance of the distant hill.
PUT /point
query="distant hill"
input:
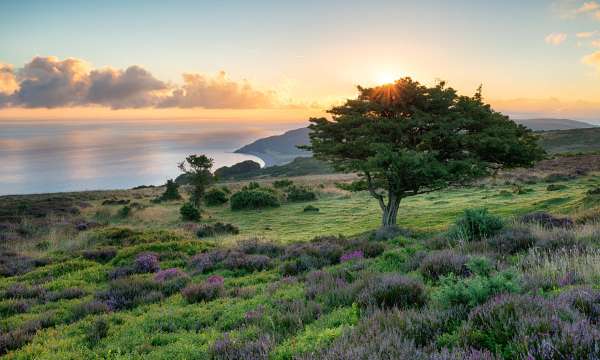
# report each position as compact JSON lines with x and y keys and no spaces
{"x":300,"y":166}
{"x":279,"y":149}
{"x":574,"y":140}
{"x":553,"y":124}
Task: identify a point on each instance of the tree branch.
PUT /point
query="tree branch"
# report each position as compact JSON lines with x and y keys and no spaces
{"x":372,"y":191}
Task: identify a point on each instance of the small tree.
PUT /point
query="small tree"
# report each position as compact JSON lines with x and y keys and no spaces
{"x":405,"y":139}
{"x":197,"y":167}
{"x":171,"y":191}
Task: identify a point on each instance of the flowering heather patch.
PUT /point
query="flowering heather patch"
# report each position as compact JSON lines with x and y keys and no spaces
{"x":353,"y":255}
{"x":444,"y":262}
{"x":146,"y":263}
{"x":169,"y":274}
{"x":215,"y":279}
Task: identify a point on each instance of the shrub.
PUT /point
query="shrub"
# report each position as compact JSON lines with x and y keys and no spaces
{"x":332,"y":291}
{"x":217,"y":229}
{"x":204,"y":262}
{"x":546,"y":220}
{"x":206,"y":291}
{"x":171,"y":280}
{"x":189,"y":212}
{"x":97,"y":331}
{"x":100,"y":255}
{"x":372,"y":249}
{"x":22,"y":291}
{"x":392,"y":290}
{"x":169,"y":274}
{"x":477,"y":224}
{"x":280,"y":184}
{"x":93,"y":307}
{"x":241,"y":261}
{"x":552,"y":178}
{"x":124,"y":212}
{"x":12,"y":307}
{"x":68,"y":293}
{"x":470,"y":292}
{"x":310,"y":208}
{"x":253,"y":199}
{"x":443,"y":262}
{"x":226,"y":348}
{"x":298,"y":194}
{"x":519,"y":326}
{"x":290,"y":316}
{"x":215,"y":197}
{"x":594,"y":191}
{"x":171,"y":192}
{"x":512,"y":240}
{"x":353,"y":255}
{"x":128,"y":293}
{"x":146,"y":263}
{"x":556,"y":187}
{"x":257,"y":246}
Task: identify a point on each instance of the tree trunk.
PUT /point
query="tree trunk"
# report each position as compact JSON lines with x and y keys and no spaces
{"x":390,"y":212}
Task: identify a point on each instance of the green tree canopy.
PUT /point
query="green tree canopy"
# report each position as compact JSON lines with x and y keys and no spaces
{"x":405,"y":139}
{"x":197,"y":168}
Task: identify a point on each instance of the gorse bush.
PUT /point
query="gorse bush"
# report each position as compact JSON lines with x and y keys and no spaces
{"x":476,"y":224}
{"x":298,"y":194}
{"x":189,"y":212}
{"x":215,"y":197}
{"x":218,"y":228}
{"x":253,"y":199}
{"x":280,"y":184}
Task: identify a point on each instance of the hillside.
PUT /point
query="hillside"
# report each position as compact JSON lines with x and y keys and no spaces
{"x":94,"y":279}
{"x":577,"y":136}
{"x":552,"y":124}
{"x":575,"y":140}
{"x":278,"y":149}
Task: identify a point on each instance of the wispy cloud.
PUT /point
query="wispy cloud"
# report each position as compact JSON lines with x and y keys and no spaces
{"x":592,"y":59}
{"x":47,"y":82}
{"x":556,"y":38}
{"x":587,"y":7}
{"x":586,"y":34}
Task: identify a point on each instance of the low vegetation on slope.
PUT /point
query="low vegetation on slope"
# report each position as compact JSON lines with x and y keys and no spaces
{"x":516,"y":280}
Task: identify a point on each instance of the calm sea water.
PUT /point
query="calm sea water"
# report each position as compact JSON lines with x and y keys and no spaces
{"x":53,"y":156}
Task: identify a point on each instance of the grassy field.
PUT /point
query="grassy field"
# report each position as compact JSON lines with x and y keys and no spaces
{"x":68,"y":292}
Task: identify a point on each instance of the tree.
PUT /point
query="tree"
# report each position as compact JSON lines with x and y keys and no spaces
{"x":171,"y":191}
{"x":197,"y":168}
{"x":405,"y":139}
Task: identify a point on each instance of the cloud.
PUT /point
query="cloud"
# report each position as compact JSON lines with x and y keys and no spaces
{"x":556,"y":38}
{"x":595,"y":43}
{"x":217,"y":93}
{"x":587,"y":7}
{"x":47,"y":82}
{"x":586,"y":34}
{"x":132,"y":88}
{"x":592,"y":60}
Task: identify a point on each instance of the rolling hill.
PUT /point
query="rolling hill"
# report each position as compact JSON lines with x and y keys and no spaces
{"x":558,"y":135}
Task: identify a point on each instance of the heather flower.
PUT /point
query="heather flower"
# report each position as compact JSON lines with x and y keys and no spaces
{"x":169,"y":274}
{"x":354,"y":255}
{"x":146,"y":263}
{"x":215,"y":279}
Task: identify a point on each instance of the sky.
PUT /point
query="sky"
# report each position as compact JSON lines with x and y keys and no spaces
{"x":288,"y":60}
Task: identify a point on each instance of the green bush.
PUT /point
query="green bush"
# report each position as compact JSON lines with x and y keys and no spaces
{"x":253,"y":199}
{"x":189,"y":212}
{"x":124,"y":212}
{"x":215,"y":197}
{"x":476,"y":224}
{"x":97,"y":331}
{"x":280,"y":184}
{"x":171,"y":192}
{"x":297,"y":194}
{"x":311,"y":208}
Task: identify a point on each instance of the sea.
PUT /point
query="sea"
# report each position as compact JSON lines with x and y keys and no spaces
{"x":45,"y":156}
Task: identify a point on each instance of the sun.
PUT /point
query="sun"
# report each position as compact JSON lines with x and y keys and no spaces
{"x":385,"y":77}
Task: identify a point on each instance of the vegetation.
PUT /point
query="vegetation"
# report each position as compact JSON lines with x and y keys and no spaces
{"x":171,"y":192}
{"x":215,"y":197}
{"x":406,"y":139}
{"x":253,"y":198}
{"x":189,"y":212}
{"x":197,"y":168}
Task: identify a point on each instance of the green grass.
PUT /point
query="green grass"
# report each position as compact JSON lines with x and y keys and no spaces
{"x":174,"y":329}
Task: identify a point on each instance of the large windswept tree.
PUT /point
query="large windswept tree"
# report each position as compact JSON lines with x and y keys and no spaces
{"x":406,"y":139}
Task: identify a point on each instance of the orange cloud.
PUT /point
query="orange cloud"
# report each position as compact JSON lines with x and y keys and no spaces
{"x":47,"y":82}
{"x":556,"y":38}
{"x":592,"y":60}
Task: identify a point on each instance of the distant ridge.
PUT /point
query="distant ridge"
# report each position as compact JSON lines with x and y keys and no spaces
{"x":553,"y":124}
{"x":281,"y":149}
